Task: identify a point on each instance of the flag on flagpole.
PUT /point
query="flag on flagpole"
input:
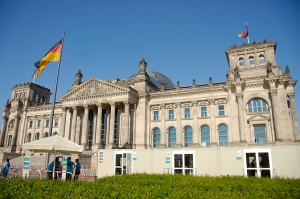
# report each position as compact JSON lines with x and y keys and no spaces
{"x":52,"y":55}
{"x":244,"y":34}
{"x":33,"y":74}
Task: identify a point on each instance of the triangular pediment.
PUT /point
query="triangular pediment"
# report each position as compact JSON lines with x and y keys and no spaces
{"x":94,"y":87}
{"x":258,"y":118}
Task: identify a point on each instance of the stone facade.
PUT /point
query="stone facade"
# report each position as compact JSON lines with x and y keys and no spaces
{"x":254,"y":106}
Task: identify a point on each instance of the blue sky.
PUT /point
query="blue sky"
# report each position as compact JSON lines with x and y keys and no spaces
{"x":183,"y":40}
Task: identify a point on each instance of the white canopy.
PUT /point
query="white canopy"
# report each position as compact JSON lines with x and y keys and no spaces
{"x":53,"y":144}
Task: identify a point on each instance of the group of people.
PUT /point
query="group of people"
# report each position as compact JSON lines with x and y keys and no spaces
{"x":5,"y":168}
{"x":57,"y":167}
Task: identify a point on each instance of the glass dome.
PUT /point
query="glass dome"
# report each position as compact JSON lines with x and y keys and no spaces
{"x":158,"y":79}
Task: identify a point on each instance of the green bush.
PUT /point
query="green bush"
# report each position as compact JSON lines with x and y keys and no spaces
{"x":153,"y":186}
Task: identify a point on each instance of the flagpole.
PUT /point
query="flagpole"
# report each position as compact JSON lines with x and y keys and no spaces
{"x":54,"y":96}
{"x":248,"y":33}
{"x":33,"y":79}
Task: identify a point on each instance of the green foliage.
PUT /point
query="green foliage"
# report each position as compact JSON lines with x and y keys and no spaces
{"x":153,"y":186}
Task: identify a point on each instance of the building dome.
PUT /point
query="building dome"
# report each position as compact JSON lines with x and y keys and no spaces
{"x":158,"y":79}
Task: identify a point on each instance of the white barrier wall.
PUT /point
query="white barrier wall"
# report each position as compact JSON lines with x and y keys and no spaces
{"x":283,"y":161}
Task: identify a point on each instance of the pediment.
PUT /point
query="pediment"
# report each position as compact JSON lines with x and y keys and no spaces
{"x":94,"y":87}
{"x":258,"y":118}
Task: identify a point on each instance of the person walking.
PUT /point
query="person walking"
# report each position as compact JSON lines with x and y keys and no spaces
{"x":6,"y":167}
{"x":77,"y":169}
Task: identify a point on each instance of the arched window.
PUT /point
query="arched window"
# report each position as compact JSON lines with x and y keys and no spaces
{"x":16,"y":96}
{"x":28,"y":137}
{"x":251,"y":60}
{"x":241,"y":61}
{"x":156,"y":137}
{"x":188,"y":136}
{"x":261,"y":58}
{"x":205,"y":135}
{"x":223,"y":135}
{"x":37,"y":136}
{"x":46,"y":134}
{"x":172,"y":137}
{"x":257,"y":105}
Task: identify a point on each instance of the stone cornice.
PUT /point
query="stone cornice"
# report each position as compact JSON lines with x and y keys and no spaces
{"x":250,"y":47}
{"x":187,"y":92}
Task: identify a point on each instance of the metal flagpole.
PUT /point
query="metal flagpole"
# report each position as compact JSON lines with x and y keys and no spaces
{"x":54,"y":97}
{"x":247,"y":33}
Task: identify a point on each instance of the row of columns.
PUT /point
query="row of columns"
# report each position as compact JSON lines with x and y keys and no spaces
{"x":96,"y":131}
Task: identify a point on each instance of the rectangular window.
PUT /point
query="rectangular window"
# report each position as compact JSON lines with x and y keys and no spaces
{"x":203,"y":112}
{"x":187,"y":113}
{"x":260,"y":134}
{"x":47,"y":123}
{"x":171,"y":114}
{"x":30,"y":124}
{"x":221,"y":110}
{"x":56,"y":122}
{"x":38,"y":123}
{"x":155,"y":115}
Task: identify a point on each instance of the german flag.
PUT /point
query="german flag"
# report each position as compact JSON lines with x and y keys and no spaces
{"x":52,"y":55}
{"x":244,"y":34}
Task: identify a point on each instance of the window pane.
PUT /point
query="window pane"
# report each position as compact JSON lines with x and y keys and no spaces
{"x":172,"y":137}
{"x":156,"y":137}
{"x":260,"y":134}
{"x":203,"y":112}
{"x":188,"y":136}
{"x":261,"y":59}
{"x":171,"y":114}
{"x":187,"y":113}
{"x":223,"y":135}
{"x":221,"y":110}
{"x":155,"y":113}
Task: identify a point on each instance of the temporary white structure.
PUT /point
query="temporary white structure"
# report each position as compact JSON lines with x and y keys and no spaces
{"x":53,"y":144}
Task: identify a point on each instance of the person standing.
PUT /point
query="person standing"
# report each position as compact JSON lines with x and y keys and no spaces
{"x":77,"y":169}
{"x":70,"y":167}
{"x":6,"y":167}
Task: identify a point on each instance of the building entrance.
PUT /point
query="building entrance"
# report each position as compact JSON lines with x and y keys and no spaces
{"x":258,"y":163}
{"x":184,"y":163}
{"x":123,"y":163}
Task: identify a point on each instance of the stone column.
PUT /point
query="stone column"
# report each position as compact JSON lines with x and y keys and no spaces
{"x":67,"y":125}
{"x":126,"y":124}
{"x":195,"y":125}
{"x":62,"y":122}
{"x":99,"y":126}
{"x":3,"y":130}
{"x":179,"y":133}
{"x":15,"y":131}
{"x":213,"y":132}
{"x":276,"y":116}
{"x":22,"y":127}
{"x":33,"y":129}
{"x":163,"y":127}
{"x":132,"y":139}
{"x":239,"y":97}
{"x":294,"y":116}
{"x":74,"y":120}
{"x":111,"y":125}
{"x":85,"y":126}
{"x":42,"y":126}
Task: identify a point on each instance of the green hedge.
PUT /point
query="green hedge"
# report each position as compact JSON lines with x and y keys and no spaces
{"x":153,"y":186}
